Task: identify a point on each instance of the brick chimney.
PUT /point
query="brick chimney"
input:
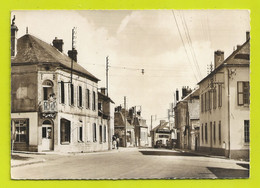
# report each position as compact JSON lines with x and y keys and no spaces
{"x":14,"y":30}
{"x":177,"y":95}
{"x":218,"y":58}
{"x":73,"y":54}
{"x":58,"y":43}
{"x":103,"y":90}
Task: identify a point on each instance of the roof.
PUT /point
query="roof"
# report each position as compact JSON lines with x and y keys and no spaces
{"x":161,"y":126}
{"x":32,"y":50}
{"x":102,"y":96}
{"x":235,"y":55}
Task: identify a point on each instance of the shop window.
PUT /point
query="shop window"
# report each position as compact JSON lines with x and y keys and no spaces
{"x":243,"y":93}
{"x":21,"y":130}
{"x":64,"y":131}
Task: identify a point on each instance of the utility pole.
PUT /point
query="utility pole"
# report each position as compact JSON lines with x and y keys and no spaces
{"x":125,"y":119}
{"x":107,"y":74}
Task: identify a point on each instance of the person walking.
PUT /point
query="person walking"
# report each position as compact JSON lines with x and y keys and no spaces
{"x":117,"y":142}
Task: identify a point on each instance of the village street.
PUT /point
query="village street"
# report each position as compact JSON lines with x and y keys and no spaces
{"x":126,"y":163}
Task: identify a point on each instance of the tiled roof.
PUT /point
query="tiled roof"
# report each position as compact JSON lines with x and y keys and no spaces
{"x":33,"y":50}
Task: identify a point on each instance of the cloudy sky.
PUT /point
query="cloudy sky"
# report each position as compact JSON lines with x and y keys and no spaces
{"x":173,"y":47}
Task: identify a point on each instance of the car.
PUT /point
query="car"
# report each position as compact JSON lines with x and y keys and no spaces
{"x":159,"y":144}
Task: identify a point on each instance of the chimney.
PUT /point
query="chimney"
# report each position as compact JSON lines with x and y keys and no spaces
{"x":183,"y":92}
{"x":14,"y":30}
{"x":177,"y":95}
{"x":218,"y":58}
{"x":58,"y":43}
{"x":162,"y":122}
{"x":103,"y":90}
{"x":247,"y":35}
{"x":73,"y":54}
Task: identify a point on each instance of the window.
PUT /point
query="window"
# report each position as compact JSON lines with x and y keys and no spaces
{"x":202,"y":136}
{"x":105,"y":133}
{"x":71,"y":94}
{"x":64,"y":131}
{"x":214,"y":99}
{"x":87,"y":98}
{"x":201,"y":100}
{"x":80,"y":96}
{"x":21,"y":130}
{"x":206,"y":133}
{"x":246,"y":131}
{"x":100,"y":134}
{"x":214,"y":132}
{"x":62,"y":94}
{"x":94,"y":101}
{"x":205,"y":96}
{"x":209,"y":98}
{"x":45,"y":93}
{"x":219,"y":95}
{"x":219,"y":132}
{"x":99,"y":106}
{"x":94,"y":132}
{"x":243,"y":93}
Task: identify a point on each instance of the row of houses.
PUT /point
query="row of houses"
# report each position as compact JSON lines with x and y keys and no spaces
{"x":215,"y":117}
{"x":55,"y":107}
{"x":130,"y":127}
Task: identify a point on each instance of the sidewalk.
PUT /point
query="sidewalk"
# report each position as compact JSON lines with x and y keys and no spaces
{"x":206,"y":154}
{"x":22,"y":158}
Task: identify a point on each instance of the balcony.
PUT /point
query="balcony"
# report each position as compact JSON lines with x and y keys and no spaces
{"x":49,"y":106}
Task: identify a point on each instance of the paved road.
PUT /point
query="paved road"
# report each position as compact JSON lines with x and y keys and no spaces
{"x":144,"y":164}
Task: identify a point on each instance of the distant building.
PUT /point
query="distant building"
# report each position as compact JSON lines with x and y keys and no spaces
{"x":48,"y":111}
{"x":224,"y":102}
{"x":183,"y":122}
{"x":122,"y":122}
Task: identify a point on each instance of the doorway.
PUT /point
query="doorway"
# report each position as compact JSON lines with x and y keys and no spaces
{"x":47,"y":135}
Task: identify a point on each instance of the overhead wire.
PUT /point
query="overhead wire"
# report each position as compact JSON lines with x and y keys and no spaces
{"x":184,"y":45}
{"x":186,"y":29}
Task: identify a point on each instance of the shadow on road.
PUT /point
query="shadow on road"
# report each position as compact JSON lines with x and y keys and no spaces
{"x":167,"y":153}
{"x":244,"y":165}
{"x":229,"y":173}
{"x":18,"y":157}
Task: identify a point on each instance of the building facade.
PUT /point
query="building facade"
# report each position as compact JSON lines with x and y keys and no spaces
{"x":52,"y":107}
{"x":224,"y":103}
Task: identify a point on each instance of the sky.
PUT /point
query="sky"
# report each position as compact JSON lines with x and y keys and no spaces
{"x":174,"y":47}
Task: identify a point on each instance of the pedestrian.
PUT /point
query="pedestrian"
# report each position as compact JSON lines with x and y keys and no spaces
{"x":117,"y":142}
{"x":114,"y":142}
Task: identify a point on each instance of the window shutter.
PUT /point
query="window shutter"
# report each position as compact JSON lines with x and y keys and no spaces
{"x":59,"y":83}
{"x":78,"y":96}
{"x":69,"y":95}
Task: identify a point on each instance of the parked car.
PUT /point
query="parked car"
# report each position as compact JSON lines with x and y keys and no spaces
{"x":159,"y":144}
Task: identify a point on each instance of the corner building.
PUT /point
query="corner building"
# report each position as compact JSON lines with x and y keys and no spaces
{"x":48,"y":111}
{"x":224,"y":103}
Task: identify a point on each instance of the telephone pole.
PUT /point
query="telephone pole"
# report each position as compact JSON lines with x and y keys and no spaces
{"x":125,"y":119}
{"x":107,"y":74}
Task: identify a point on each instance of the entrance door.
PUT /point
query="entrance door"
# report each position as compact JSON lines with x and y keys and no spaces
{"x":47,"y":137}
